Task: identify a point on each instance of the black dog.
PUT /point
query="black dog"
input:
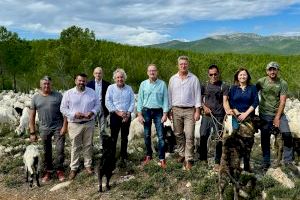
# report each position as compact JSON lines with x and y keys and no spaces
{"x":107,"y":162}
{"x":170,"y":140}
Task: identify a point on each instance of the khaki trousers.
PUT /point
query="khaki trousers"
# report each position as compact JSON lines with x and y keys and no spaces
{"x":81,"y":136}
{"x":184,"y":130}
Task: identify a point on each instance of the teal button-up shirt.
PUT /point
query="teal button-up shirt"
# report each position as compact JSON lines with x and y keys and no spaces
{"x":153,"y":95}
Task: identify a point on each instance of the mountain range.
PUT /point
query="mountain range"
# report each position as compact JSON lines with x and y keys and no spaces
{"x":246,"y":43}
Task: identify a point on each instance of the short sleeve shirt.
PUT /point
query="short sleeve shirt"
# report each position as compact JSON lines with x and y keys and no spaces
{"x":270,"y":94}
{"x":48,"y":109}
{"x":213,"y":96}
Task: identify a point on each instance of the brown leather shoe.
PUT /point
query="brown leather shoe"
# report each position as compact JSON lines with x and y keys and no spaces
{"x":60,"y":175}
{"x":46,"y":178}
{"x":147,"y":160}
{"x":180,"y":159}
{"x":89,"y":170}
{"x":163,"y":164}
{"x":72,"y":174}
{"x":188,"y":165}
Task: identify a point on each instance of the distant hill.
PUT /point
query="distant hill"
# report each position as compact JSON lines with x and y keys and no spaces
{"x":239,"y":43}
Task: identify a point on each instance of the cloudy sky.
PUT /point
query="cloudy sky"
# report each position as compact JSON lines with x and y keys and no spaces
{"x":141,"y":22}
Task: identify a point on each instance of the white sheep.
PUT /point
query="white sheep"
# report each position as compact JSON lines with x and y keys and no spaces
{"x":32,"y":161}
{"x":24,"y":122}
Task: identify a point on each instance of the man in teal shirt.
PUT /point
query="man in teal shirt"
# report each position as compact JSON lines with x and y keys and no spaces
{"x":153,"y":105}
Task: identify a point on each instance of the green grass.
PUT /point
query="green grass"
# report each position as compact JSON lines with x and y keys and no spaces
{"x":150,"y":181}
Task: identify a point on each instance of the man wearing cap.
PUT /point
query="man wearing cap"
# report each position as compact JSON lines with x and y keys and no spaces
{"x":52,"y":123}
{"x":273,"y":91}
{"x":80,"y":105}
{"x":100,"y":86}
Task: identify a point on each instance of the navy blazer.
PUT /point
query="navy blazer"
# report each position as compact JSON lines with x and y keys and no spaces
{"x":105,"y":84}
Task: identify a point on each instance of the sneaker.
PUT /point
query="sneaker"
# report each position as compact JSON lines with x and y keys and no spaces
{"x":89,"y":170}
{"x":46,"y":177}
{"x":147,"y":160}
{"x":60,"y":175}
{"x":72,"y":174}
{"x":180,"y":159}
{"x":216,"y":168}
{"x":163,"y":164}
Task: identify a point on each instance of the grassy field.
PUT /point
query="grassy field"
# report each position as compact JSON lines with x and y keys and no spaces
{"x":133,"y":181}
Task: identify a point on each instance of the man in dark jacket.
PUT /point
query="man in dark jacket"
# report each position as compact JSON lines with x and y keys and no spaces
{"x":100,"y":86}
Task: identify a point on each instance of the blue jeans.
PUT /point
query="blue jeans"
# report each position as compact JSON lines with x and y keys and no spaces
{"x":265,"y":138}
{"x":154,"y":114}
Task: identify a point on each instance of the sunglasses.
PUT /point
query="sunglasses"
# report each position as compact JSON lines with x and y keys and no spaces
{"x":213,"y":74}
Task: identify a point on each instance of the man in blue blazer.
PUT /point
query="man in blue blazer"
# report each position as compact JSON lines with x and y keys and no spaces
{"x":100,"y":86}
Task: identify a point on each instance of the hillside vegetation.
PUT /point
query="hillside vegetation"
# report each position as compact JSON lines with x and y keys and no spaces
{"x":239,"y":43}
{"x":23,"y":63}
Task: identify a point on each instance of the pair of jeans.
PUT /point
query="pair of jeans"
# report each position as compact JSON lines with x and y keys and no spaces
{"x":116,"y":123}
{"x":205,"y":130}
{"x":154,"y":114}
{"x":46,"y":136}
{"x":267,"y":121}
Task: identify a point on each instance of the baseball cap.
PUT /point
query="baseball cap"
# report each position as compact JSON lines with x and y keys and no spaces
{"x":272,"y":65}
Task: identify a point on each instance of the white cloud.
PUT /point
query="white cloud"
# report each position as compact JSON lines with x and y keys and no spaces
{"x":129,"y":21}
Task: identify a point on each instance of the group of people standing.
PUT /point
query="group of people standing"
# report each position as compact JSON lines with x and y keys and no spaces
{"x":183,"y":102}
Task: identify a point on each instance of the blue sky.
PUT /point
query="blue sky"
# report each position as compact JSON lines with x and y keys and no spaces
{"x":139,"y":22}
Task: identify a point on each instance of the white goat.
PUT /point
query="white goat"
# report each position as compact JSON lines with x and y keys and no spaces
{"x":32,"y":161}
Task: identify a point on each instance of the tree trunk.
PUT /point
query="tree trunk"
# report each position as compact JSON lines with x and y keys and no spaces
{"x":15,"y":83}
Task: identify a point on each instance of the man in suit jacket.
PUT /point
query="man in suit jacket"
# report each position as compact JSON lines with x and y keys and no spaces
{"x":100,"y":86}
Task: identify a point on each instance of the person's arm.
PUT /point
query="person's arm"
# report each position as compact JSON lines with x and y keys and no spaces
{"x":109,"y":99}
{"x":140,"y":104}
{"x":165,"y":103}
{"x":280,"y":109}
{"x":64,"y":128}
{"x":226,"y":106}
{"x":197,"y":93}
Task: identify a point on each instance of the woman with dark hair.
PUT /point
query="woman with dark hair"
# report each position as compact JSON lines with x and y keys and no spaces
{"x":241,"y":103}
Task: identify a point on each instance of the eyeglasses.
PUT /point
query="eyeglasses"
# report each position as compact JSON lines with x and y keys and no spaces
{"x":213,"y":74}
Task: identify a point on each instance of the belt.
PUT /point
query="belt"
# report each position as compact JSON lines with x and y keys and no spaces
{"x":183,"y":107}
{"x":83,"y":122}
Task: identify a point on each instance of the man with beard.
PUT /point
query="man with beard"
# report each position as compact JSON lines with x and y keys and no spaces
{"x":80,"y":105}
{"x":273,"y":92}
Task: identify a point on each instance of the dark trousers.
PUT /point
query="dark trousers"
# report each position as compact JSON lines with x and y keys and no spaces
{"x":205,"y":131}
{"x":115,"y":125}
{"x":155,"y":115}
{"x":267,"y":121}
{"x":46,"y":136}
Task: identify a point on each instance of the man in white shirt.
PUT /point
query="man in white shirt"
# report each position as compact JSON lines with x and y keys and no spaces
{"x":185,"y":101}
{"x":80,"y":105}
